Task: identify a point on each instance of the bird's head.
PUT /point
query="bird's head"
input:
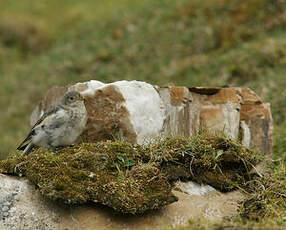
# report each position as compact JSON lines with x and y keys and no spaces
{"x":71,"y":98}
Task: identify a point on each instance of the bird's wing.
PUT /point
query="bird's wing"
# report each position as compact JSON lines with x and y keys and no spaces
{"x":48,"y":113}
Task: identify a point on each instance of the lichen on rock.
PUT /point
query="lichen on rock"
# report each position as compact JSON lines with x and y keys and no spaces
{"x":134,"y":178}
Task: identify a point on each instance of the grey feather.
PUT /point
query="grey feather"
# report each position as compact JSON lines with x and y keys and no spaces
{"x":27,"y":140}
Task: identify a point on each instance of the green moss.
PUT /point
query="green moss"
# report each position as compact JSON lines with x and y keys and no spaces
{"x":132,"y":178}
{"x":213,"y":160}
{"x":9,"y":166}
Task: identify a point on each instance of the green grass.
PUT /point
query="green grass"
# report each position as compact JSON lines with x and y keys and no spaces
{"x":183,"y":42}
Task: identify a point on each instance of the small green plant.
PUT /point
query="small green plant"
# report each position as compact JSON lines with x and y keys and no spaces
{"x":123,"y":161}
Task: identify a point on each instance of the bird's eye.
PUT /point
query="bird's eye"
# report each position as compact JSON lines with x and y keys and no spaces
{"x":71,"y":98}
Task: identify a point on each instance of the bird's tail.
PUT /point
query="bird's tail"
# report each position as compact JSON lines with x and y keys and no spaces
{"x":28,"y":149}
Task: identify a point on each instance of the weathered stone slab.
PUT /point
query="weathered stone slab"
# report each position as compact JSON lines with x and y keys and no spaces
{"x":176,"y":101}
{"x":137,"y":112}
{"x":238,"y":112}
{"x":220,"y":111}
{"x":23,"y":207}
{"x":256,"y":122}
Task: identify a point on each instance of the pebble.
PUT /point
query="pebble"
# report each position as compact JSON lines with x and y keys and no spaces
{"x":10,"y":197}
{"x":5,"y":209}
{"x":7,"y":203}
{"x":5,"y":214}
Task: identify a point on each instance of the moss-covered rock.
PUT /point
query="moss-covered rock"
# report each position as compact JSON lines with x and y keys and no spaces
{"x":133,"y":178}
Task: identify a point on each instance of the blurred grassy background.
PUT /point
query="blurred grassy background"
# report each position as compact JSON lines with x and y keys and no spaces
{"x":166,"y":42}
{"x":183,"y":42}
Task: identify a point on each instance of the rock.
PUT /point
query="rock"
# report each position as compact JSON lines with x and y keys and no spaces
{"x":193,"y":188}
{"x":23,"y":207}
{"x":238,"y":112}
{"x":31,"y":211}
{"x":137,"y":112}
{"x":5,"y":208}
{"x":256,"y":122}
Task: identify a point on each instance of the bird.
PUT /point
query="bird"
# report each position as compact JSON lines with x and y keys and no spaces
{"x":59,"y":126}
